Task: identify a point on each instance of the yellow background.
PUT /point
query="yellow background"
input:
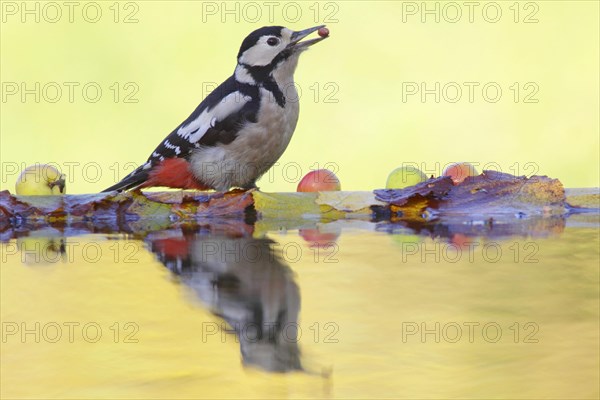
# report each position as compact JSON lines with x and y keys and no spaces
{"x":176,"y":48}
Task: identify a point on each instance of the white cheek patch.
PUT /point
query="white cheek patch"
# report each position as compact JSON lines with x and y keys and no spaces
{"x":286,"y":35}
{"x":230,"y":104}
{"x":261,"y":53}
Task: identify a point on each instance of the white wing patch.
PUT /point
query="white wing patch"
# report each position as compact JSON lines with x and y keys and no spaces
{"x":168,"y":145}
{"x":230,"y":104}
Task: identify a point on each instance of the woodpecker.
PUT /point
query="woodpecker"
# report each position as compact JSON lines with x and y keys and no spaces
{"x":241,"y":128}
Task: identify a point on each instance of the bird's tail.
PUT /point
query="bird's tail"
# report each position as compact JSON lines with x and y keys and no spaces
{"x":131,"y":181}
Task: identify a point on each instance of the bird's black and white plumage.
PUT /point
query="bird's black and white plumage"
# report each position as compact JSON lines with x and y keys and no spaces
{"x":241,"y":128}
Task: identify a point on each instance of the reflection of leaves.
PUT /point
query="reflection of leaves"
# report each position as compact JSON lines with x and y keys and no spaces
{"x":448,"y":228}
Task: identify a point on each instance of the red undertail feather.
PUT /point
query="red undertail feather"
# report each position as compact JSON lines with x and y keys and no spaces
{"x":172,"y":247}
{"x":173,"y":173}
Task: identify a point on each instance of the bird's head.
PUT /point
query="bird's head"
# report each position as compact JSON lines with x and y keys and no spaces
{"x":273,"y":48}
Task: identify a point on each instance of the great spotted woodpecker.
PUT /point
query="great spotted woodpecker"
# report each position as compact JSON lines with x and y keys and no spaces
{"x":241,"y":128}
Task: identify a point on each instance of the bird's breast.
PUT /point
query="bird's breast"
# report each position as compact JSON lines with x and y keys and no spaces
{"x":264,"y":141}
{"x":256,"y":147}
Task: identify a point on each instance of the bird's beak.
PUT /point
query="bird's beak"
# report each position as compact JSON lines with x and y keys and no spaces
{"x":299,"y":35}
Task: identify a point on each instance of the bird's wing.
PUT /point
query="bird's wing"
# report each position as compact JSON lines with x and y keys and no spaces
{"x":216,"y":120}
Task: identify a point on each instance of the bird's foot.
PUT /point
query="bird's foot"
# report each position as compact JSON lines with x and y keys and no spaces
{"x":244,"y":190}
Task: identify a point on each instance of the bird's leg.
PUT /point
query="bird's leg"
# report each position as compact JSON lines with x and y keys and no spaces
{"x":246,"y":188}
{"x":250,"y":186}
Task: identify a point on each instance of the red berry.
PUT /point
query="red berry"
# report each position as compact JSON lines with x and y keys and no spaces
{"x":323,"y":32}
{"x":320,"y":180}
{"x":459,"y":171}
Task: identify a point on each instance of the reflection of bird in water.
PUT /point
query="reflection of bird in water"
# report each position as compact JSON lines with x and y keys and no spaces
{"x":246,"y":284}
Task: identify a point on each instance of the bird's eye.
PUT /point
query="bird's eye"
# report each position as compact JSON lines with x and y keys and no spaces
{"x":272,"y":41}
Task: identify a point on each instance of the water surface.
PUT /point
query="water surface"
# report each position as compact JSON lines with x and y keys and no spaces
{"x":347,"y":309}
